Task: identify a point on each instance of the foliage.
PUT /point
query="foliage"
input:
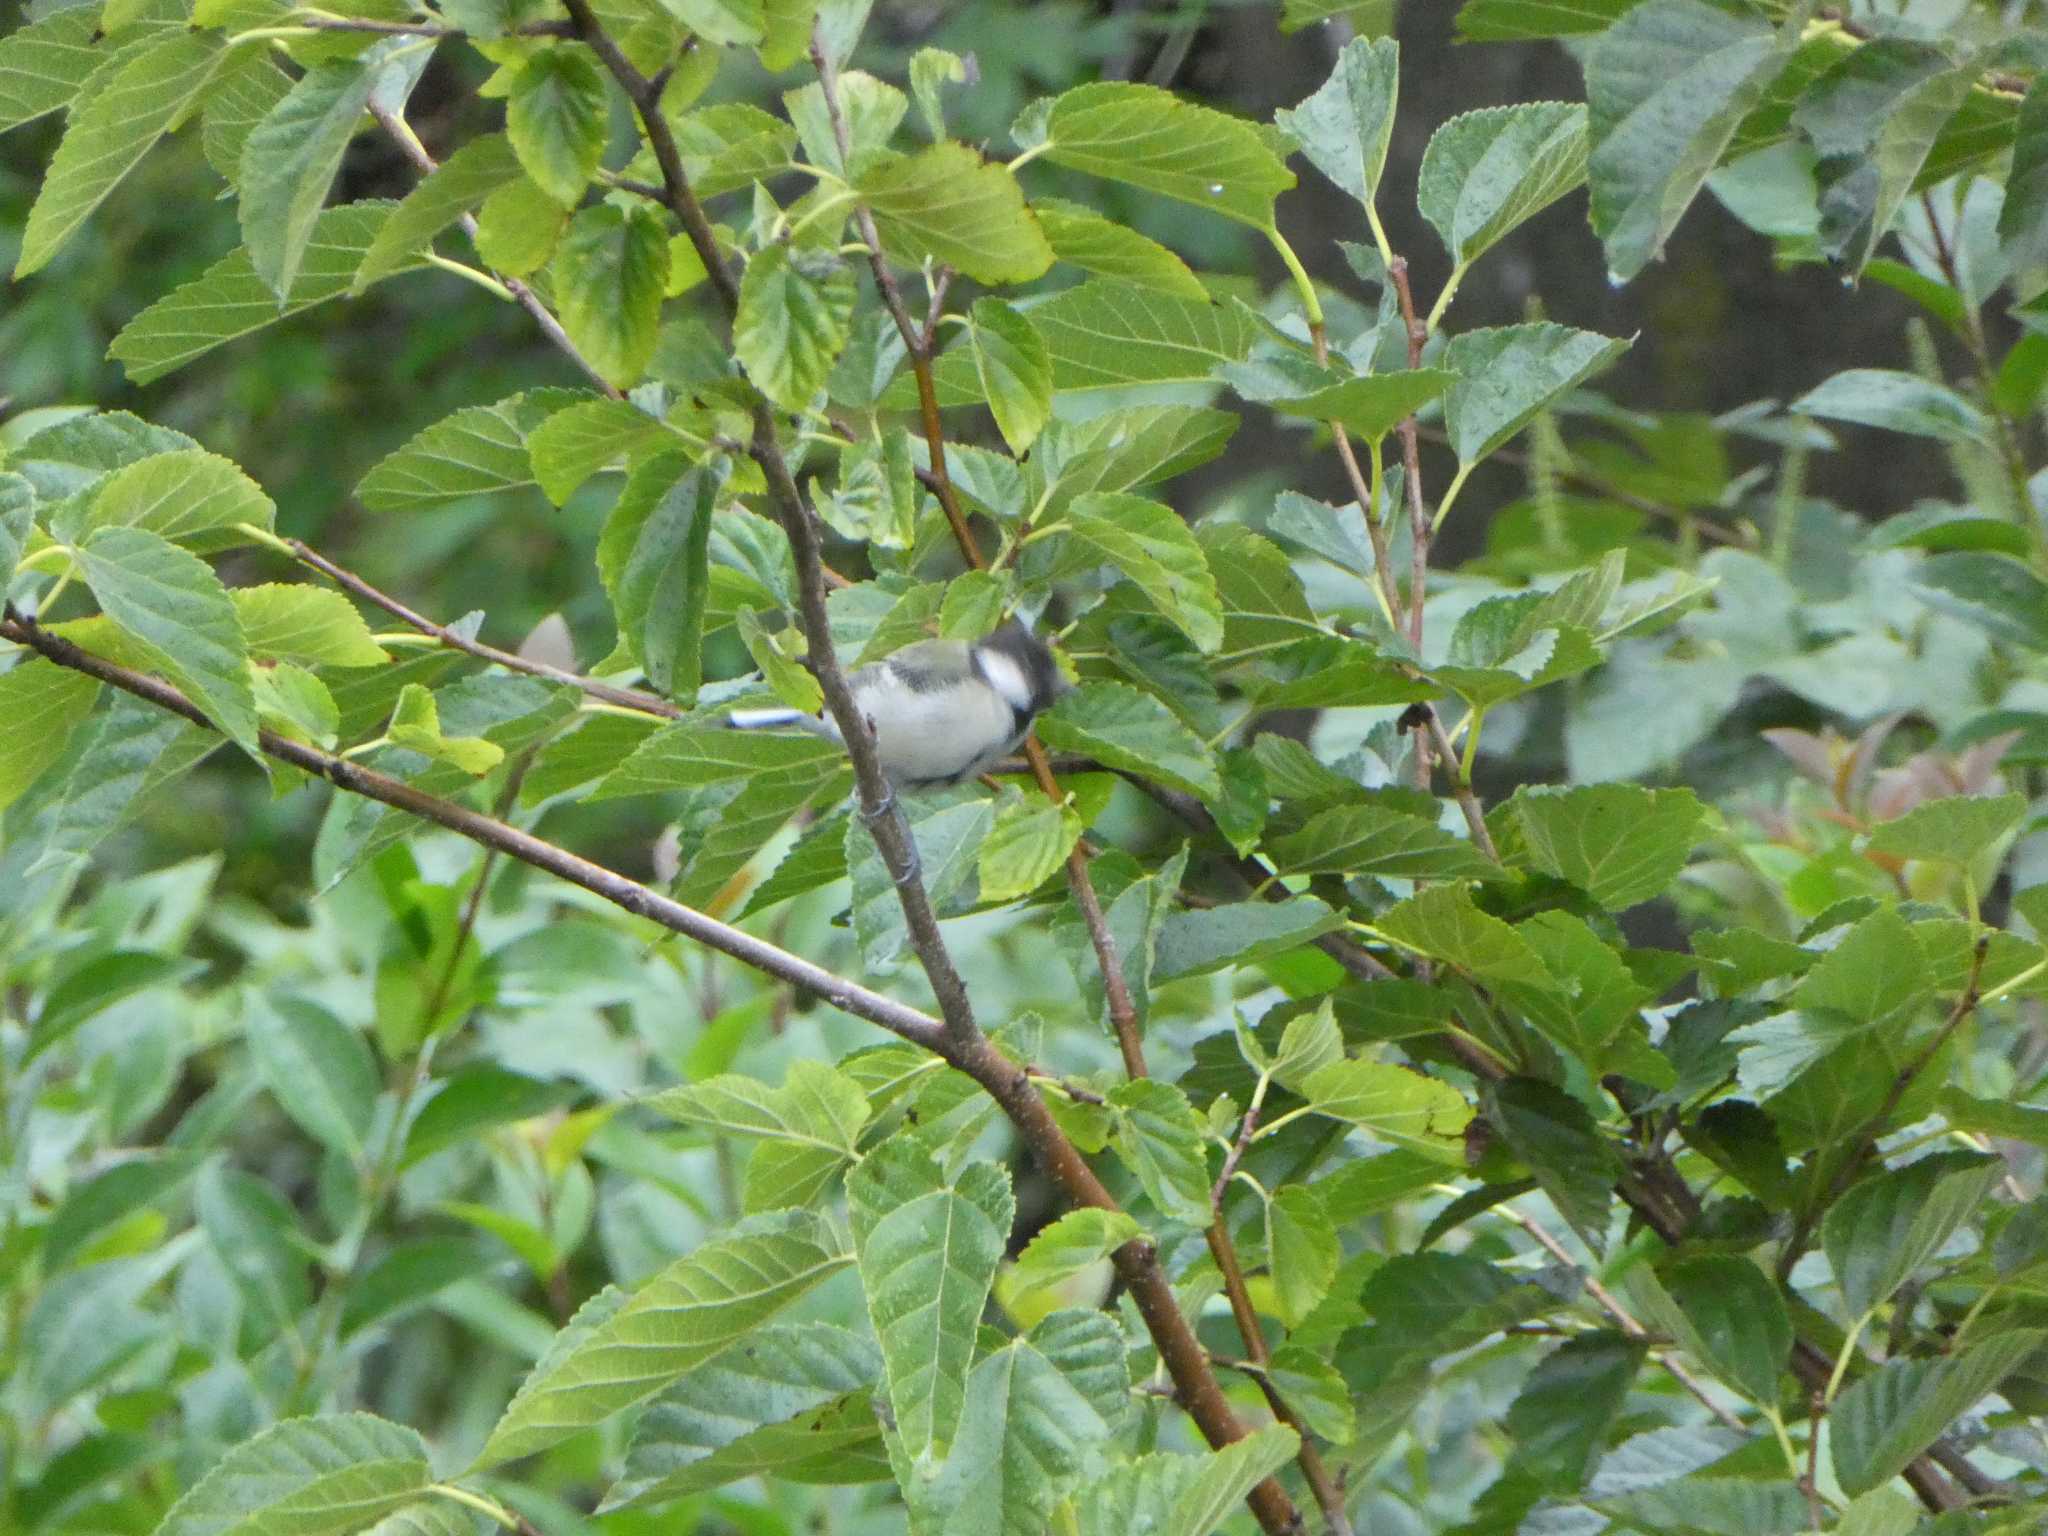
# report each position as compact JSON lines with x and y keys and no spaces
{"x":1307,"y":1130}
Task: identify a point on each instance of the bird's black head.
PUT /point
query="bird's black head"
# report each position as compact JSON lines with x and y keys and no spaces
{"x":1020,"y":667}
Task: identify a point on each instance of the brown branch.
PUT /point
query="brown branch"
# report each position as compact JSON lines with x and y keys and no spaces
{"x":1461,"y":787}
{"x":489,"y":832}
{"x":400,"y":130}
{"x":962,"y":1042}
{"x":917,"y":343}
{"x":341,"y":576}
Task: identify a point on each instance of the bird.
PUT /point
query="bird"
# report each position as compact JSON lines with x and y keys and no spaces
{"x":941,"y":711}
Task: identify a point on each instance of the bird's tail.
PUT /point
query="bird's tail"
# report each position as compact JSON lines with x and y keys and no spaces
{"x":767,"y":719}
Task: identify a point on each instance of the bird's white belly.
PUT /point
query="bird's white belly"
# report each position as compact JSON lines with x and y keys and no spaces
{"x":944,"y":734}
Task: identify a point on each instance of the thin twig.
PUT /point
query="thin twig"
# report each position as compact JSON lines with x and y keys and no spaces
{"x":631,"y":896}
{"x":610,"y":693}
{"x":1611,"y":1305}
{"x":963,"y":1044}
{"x":1461,"y":787}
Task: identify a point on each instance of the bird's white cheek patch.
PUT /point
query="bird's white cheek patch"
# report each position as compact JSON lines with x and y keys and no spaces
{"x":1007,"y":678}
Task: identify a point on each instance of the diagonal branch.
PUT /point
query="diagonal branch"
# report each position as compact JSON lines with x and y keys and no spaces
{"x":341,"y":576}
{"x":965,"y":1045}
{"x":848,"y":996}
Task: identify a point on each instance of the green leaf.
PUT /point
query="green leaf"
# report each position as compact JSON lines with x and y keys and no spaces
{"x":1872,"y":118}
{"x":474,"y":1100}
{"x":1488,"y":171}
{"x":1560,"y":1419}
{"x":931,"y":70}
{"x":948,"y":838}
{"x":2000,"y":596}
{"x":1168,"y":1495}
{"x":1514,"y":21}
{"x":1157,"y":1136}
{"x":1193,"y":943}
{"x":189,"y":497}
{"x":1147,"y":137}
{"x":1030,"y":841}
{"x":1552,"y":1132}
{"x":1025,"y":1433}
{"x":1876,"y":971}
{"x":687,"y":755}
{"x":609,"y":276}
{"x":2023,"y":221}
{"x":590,"y":437}
{"x":289,"y":161}
{"x":727,"y":22}
{"x":557,"y":117}
{"x":1122,"y":728}
{"x":416,"y":726}
{"x":457,"y":186}
{"x":1372,"y":405}
{"x":474,"y":452}
{"x":1896,"y":402}
{"x":170,"y":602}
{"x":1344,"y":128}
{"x":1712,"y":1506}
{"x":928,"y":1254}
{"x":1619,"y":843}
{"x":796,"y":309}
{"x":327,"y":1476}
{"x":256,"y":1238}
{"x":1083,"y":238}
{"x":1107,"y":334}
{"x":1890,"y":1416}
{"x":1890,"y":1225}
{"x":109,"y":135}
{"x":42,"y":703}
{"x":97,"y":1203}
{"x":1397,"y":1105}
{"x":1955,"y":828}
{"x":1374,"y":840}
{"x":1147,"y":541}
{"x":1666,"y":88}
{"x":518,"y":227}
{"x":318,"y":1068}
{"x":17,"y":520}
{"x":1729,"y":1316}
{"x":1075,"y":1242}
{"x":43,"y":64}
{"x":1510,"y":373}
{"x":229,"y":300}
{"x":689,"y":1313}
{"x":1302,"y":1251}
{"x":791,"y":1405}
{"x":247,"y":88}
{"x":1442,"y":922}
{"x":817,"y":1107}
{"x":1015,"y":367}
{"x":947,"y":204}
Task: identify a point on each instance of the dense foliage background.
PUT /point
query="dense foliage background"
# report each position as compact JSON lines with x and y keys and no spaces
{"x":1514,"y":1003}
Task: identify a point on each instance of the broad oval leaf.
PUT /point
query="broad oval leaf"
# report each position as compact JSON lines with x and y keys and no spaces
{"x":1487,"y":171}
{"x":1150,"y":138}
{"x":556,"y":118}
{"x":1123,"y":728}
{"x":1344,"y":128}
{"x":1508,"y":374}
{"x":326,"y":1476}
{"x":947,"y":204}
{"x":610,"y":274}
{"x":795,"y":311}
{"x":687,"y":1314}
{"x":457,"y":186}
{"x":169,"y":601}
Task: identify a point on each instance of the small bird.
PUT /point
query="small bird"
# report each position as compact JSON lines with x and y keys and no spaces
{"x":941,"y":710}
